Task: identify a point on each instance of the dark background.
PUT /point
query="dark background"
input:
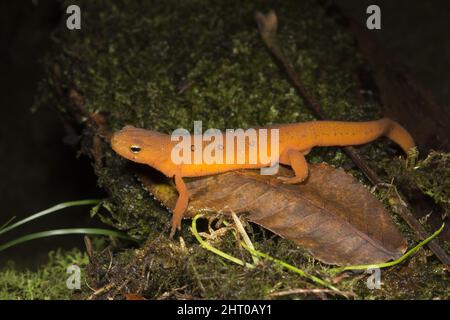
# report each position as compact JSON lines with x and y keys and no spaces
{"x":37,"y":170}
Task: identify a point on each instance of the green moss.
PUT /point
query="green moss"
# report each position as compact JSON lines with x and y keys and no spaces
{"x":430,"y":175}
{"x":164,"y":269}
{"x":416,"y":279}
{"x":47,"y":282}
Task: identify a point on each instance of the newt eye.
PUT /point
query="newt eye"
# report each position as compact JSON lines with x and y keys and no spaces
{"x":135,"y":149}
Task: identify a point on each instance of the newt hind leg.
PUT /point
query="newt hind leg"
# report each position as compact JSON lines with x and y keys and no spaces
{"x":181,"y":205}
{"x":297,"y":161}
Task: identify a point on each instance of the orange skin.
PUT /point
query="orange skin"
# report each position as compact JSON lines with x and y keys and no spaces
{"x":295,"y":141}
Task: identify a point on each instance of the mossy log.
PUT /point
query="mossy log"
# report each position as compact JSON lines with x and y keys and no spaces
{"x":162,"y":66}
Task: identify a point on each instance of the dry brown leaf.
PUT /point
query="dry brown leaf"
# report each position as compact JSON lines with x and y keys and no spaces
{"x":331,"y":214}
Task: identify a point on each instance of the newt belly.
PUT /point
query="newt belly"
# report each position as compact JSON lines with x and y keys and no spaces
{"x":294,"y":141}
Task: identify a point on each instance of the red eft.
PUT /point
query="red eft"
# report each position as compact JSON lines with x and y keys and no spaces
{"x":295,"y":141}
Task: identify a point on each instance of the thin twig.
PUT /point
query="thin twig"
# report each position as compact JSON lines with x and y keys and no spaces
{"x":307,"y":291}
{"x":101,"y":290}
{"x":268,"y":25}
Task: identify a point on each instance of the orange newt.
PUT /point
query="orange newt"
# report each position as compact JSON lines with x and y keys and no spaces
{"x":295,"y":141}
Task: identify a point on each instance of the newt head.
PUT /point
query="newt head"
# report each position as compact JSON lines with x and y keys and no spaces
{"x":140,"y":145}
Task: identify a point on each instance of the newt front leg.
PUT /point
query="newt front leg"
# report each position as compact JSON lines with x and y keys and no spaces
{"x":181,"y":205}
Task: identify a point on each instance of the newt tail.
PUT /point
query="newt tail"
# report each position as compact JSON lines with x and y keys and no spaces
{"x":342,"y":133}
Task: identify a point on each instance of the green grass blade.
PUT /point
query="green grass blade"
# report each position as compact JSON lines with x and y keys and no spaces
{"x":291,"y":268}
{"x":55,"y":208}
{"x":391,"y":263}
{"x":61,"y":232}
{"x":6,"y":223}
{"x":254,"y":252}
